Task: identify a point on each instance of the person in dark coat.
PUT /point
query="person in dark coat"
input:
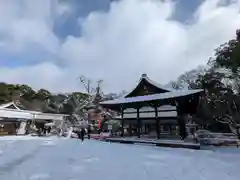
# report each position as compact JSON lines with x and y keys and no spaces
{"x":82,"y":134}
{"x":79,"y":134}
{"x":49,"y":129}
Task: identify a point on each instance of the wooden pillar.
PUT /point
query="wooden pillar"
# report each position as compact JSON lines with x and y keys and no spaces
{"x":182,"y":127}
{"x":181,"y":122}
{"x":138,"y":124}
{"x":122,"y":122}
{"x":170,"y":129}
{"x":157,"y":122}
{"x":130,"y":129}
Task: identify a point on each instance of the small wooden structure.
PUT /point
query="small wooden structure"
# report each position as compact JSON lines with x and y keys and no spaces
{"x":151,"y":106}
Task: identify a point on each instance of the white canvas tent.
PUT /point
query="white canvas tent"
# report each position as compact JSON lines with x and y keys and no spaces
{"x":10,"y":111}
{"x":15,"y":112}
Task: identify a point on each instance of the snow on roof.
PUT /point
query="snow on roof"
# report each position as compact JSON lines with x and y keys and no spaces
{"x":9,"y":104}
{"x":25,"y":114}
{"x":156,"y":84}
{"x":160,"y":96}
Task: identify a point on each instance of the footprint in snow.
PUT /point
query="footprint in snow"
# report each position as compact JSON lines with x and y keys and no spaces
{"x":39,"y":177}
{"x":91,"y":159}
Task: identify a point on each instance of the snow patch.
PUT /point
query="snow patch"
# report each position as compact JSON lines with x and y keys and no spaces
{"x":70,"y":160}
{"x":17,"y":138}
{"x":91,"y":159}
{"x":78,"y":169}
{"x":151,"y":163}
{"x":39,"y":177}
{"x":157,"y":156}
{"x":48,"y":143}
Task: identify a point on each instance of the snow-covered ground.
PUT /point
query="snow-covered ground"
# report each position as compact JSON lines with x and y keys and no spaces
{"x":34,"y":158}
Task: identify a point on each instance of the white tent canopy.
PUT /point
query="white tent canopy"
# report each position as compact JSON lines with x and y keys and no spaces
{"x":13,"y":113}
{"x":6,"y":112}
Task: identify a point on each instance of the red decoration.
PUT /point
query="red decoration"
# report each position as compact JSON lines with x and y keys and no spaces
{"x":99,"y":121}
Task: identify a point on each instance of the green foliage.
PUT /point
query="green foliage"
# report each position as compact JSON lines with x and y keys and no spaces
{"x":4,"y":93}
{"x":228,"y":55}
{"x":42,"y":99}
{"x":8,"y":92}
{"x":26,"y":92}
{"x":42,"y":94}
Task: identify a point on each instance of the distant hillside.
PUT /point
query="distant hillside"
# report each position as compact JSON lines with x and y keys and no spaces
{"x":42,"y":100}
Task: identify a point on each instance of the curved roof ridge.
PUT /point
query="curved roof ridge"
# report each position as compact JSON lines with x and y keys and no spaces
{"x":146,"y":78}
{"x":157,"y":84}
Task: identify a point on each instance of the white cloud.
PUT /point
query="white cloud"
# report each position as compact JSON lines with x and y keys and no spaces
{"x":64,"y":8}
{"x":25,"y":22}
{"x":134,"y":37}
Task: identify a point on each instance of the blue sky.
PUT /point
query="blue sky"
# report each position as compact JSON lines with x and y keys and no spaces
{"x":50,"y":43}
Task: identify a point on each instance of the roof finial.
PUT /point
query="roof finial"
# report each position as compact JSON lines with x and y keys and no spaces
{"x":144,"y":75}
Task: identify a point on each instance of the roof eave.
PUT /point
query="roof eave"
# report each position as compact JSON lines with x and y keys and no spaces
{"x":121,"y":101}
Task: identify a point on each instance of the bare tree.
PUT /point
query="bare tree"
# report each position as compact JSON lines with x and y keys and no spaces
{"x":88,"y":84}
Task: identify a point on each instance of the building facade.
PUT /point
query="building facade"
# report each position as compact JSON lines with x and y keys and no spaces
{"x":153,"y":110}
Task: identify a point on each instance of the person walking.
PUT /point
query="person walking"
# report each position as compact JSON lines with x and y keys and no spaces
{"x":82,"y":134}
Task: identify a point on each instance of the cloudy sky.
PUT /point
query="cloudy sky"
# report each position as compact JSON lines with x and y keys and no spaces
{"x":49,"y":43}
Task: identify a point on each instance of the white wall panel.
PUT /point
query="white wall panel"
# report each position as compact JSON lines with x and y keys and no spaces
{"x":129,"y":110}
{"x":166,"y":108}
{"x":132,"y":115}
{"x":146,"y":108}
{"x":147,"y":114}
{"x":167,"y":114}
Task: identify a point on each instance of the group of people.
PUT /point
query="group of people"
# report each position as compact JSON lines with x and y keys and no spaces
{"x":43,"y":131}
{"x":83,"y":132}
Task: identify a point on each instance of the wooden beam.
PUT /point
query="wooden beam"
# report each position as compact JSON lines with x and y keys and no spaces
{"x":181,"y":122}
{"x":139,"y":123}
{"x":157,"y":122}
{"x":130,"y":129}
{"x":122,"y":122}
